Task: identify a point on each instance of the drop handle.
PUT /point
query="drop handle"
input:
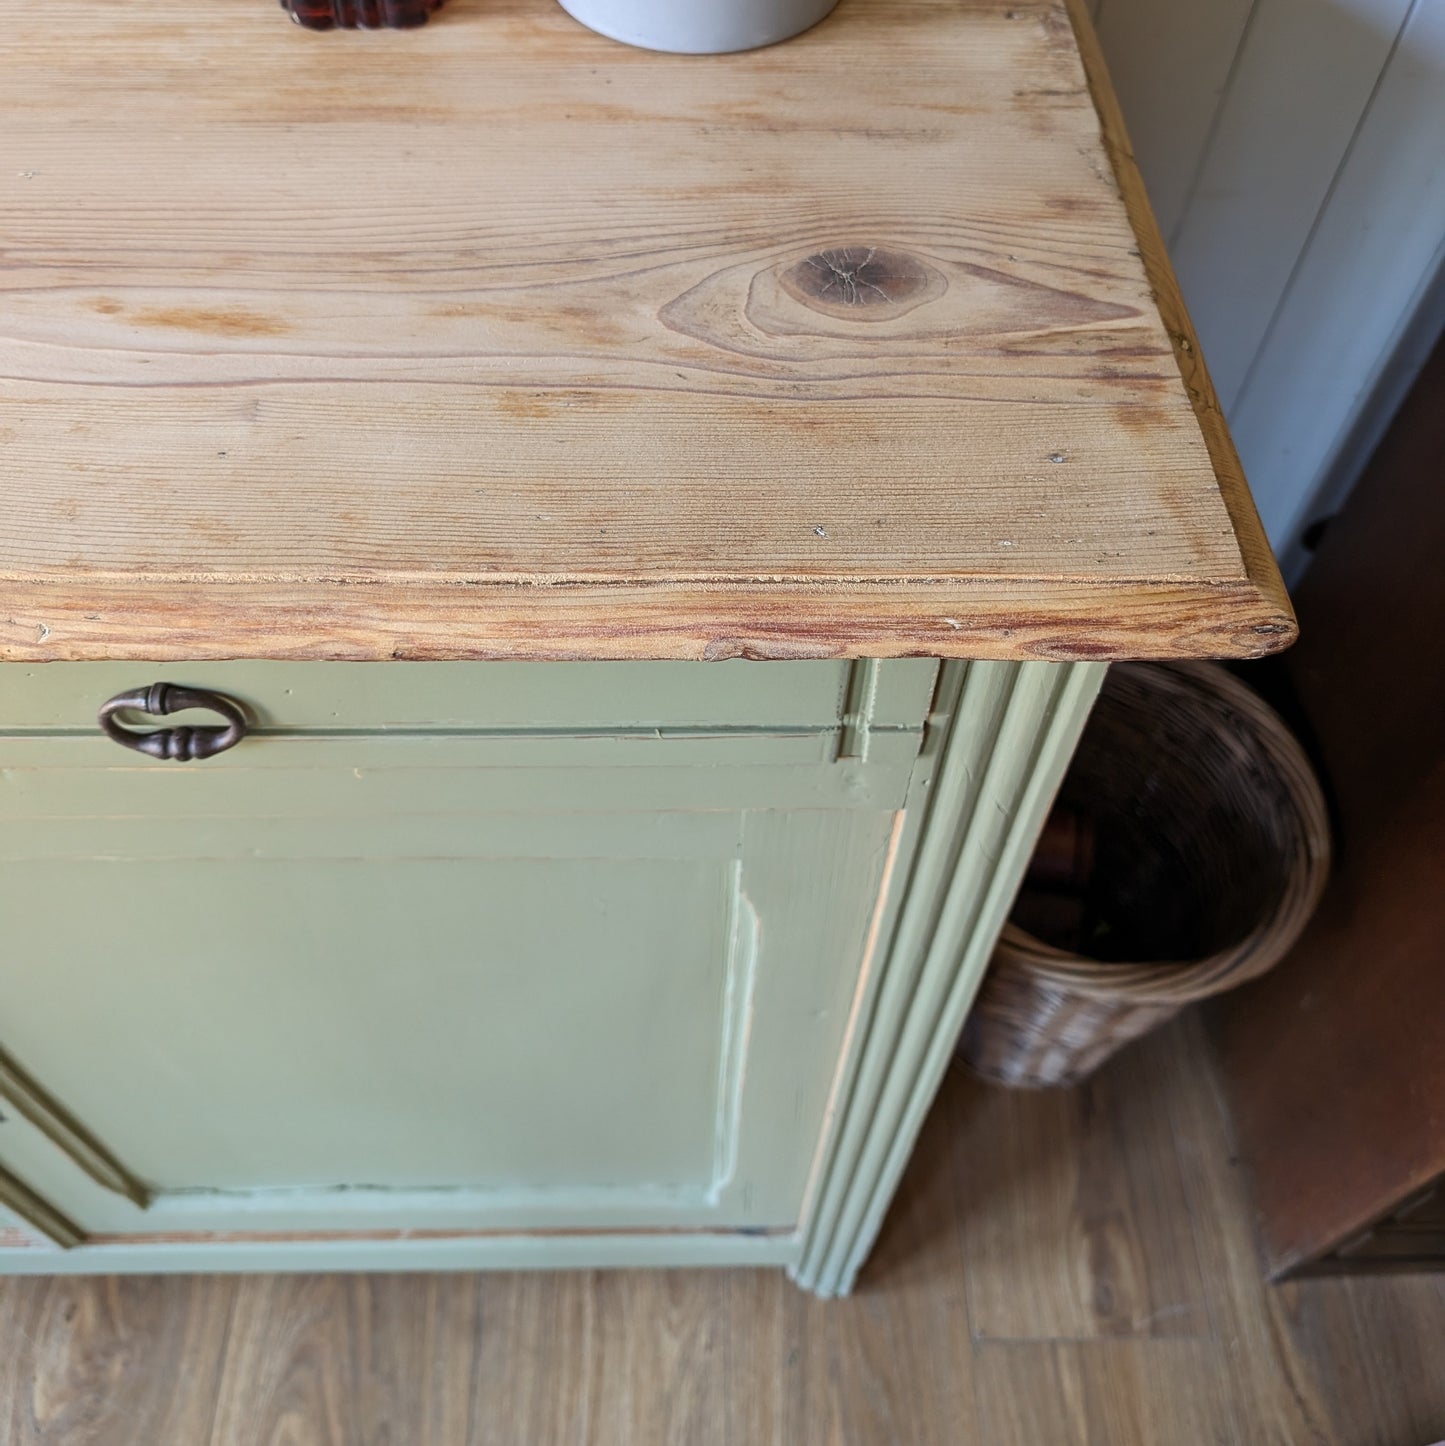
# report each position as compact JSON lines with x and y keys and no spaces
{"x":182,"y":744}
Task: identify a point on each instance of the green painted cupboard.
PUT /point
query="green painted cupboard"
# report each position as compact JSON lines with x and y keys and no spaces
{"x":654,"y":526}
{"x":490,"y":963}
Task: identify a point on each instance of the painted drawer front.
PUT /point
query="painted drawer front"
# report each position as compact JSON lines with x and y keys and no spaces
{"x":501,"y":697}
{"x":432,"y":982}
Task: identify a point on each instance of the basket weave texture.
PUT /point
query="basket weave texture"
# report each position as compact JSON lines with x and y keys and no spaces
{"x":1212,"y":846}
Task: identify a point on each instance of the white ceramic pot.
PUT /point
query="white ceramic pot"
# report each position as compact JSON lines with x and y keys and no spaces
{"x":699,"y":27}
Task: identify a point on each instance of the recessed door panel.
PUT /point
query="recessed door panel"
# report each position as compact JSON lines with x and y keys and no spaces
{"x":606,"y":989}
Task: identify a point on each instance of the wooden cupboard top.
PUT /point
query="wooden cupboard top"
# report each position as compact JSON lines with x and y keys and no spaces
{"x":497,"y":338}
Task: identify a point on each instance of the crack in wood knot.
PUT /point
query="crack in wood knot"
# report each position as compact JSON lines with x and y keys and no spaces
{"x":863,"y":283}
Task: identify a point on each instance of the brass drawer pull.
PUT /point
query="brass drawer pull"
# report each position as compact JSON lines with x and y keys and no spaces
{"x":182,"y":744}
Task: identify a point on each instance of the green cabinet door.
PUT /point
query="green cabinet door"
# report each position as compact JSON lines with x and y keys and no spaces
{"x":439,"y":981}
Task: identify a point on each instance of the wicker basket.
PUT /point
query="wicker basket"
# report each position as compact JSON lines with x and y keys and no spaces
{"x":1212,"y":843}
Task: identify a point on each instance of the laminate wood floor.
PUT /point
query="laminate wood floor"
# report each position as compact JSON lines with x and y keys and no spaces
{"x":1061,"y":1269}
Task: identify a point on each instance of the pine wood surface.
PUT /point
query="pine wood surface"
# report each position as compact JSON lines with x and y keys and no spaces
{"x":499,"y":339}
{"x":1073,"y":1269}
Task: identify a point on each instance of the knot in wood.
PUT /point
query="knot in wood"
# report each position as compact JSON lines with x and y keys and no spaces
{"x":865,"y":283}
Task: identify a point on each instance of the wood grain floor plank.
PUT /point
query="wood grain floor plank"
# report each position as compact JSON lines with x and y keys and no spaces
{"x":287,"y":1365}
{"x":348,"y":1361}
{"x":1081,"y":1221}
{"x":910,"y":1308}
{"x":110,"y":1362}
{"x":1274,"y":1381}
{"x":1374,"y":1351}
{"x":1105,"y":1393}
{"x":537,"y":1360}
{"x":1344,"y":1362}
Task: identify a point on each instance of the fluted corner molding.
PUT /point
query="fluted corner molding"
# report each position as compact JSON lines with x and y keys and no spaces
{"x":1002,"y":737}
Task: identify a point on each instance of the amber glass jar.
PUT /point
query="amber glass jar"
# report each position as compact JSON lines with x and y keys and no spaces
{"x":370,"y":14}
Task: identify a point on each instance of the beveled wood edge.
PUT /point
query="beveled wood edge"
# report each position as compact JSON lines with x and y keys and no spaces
{"x":1006,"y":619}
{"x":38,"y":1213}
{"x":1259,"y":560}
{"x":33,"y":1103}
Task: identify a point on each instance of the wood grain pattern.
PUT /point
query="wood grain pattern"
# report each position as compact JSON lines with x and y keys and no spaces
{"x":98,"y":1363}
{"x":1277,"y":1380}
{"x":1099,"y":1393}
{"x":1403,"y":1320}
{"x":742,"y":1358}
{"x":312,"y":1358}
{"x":1097,"y":1170}
{"x":983,"y":618}
{"x":1254,"y":547}
{"x":498,"y":339}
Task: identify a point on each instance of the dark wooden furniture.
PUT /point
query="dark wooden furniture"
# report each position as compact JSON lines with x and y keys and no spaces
{"x":1335,"y":1064}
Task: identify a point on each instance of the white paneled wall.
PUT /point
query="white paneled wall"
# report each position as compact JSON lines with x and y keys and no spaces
{"x":1170,"y":63}
{"x":1295,"y":153}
